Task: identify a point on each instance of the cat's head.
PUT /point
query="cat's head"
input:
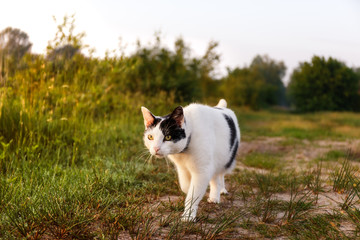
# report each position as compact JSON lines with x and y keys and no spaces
{"x":165,"y":135}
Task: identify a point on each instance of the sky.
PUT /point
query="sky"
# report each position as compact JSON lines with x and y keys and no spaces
{"x":291,"y":31}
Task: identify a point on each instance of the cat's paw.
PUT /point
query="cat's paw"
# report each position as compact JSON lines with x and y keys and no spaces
{"x":188,"y":218}
{"x":213,"y":200}
{"x":224,"y":192}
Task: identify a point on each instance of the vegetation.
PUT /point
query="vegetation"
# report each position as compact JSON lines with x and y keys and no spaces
{"x":325,"y":85}
{"x":73,"y":165}
{"x":259,"y":85}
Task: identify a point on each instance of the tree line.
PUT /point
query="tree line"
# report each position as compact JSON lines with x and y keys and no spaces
{"x":321,"y":84}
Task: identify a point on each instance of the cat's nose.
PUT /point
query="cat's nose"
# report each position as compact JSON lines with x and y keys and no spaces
{"x":156,"y":149}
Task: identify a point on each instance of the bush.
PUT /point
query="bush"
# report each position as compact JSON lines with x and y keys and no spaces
{"x":259,"y":85}
{"x":324,"y":85}
{"x":244,"y":87}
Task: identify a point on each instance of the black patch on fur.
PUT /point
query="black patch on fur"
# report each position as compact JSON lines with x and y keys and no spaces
{"x":233,"y":154}
{"x":170,"y":127}
{"x":218,"y":108}
{"x":156,"y":121}
{"x":178,"y":115}
{"x":187,"y":144}
{"x":231,"y":124}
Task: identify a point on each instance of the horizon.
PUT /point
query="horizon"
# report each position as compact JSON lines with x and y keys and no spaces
{"x":243,"y":29}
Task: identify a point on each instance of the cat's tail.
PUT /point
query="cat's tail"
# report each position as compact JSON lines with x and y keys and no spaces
{"x":222,"y":103}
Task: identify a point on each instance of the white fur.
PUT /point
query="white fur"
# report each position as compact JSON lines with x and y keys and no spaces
{"x":206,"y":156}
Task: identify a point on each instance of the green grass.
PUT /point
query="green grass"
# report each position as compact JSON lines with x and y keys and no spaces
{"x":73,"y":164}
{"x":69,"y":169}
{"x":344,"y":177}
{"x":87,"y":179}
{"x":310,"y":126}
{"x":334,"y":155}
{"x":262,"y":160}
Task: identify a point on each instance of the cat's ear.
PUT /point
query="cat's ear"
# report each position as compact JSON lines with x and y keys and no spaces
{"x":149,"y":118}
{"x":178,"y":115}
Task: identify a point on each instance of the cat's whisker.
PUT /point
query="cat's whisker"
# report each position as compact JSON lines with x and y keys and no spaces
{"x":167,"y":163}
{"x":149,"y":159}
{"x":145,"y":157}
{"x":142,"y":154}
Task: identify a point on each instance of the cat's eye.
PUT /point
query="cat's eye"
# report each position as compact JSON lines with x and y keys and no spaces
{"x":150,"y":137}
{"x":167,"y":137}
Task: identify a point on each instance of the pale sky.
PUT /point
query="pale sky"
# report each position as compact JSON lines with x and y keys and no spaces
{"x":288,"y":30}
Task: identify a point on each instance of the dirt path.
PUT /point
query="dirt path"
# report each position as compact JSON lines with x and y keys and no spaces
{"x":299,"y":156}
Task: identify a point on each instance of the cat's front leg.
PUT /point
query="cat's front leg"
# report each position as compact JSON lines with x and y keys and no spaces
{"x":197,"y":189}
{"x":184,"y":178}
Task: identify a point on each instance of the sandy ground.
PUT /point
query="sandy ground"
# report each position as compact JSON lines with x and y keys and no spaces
{"x":298,"y":156}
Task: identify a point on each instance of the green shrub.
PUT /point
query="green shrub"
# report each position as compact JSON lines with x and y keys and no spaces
{"x":324,"y":85}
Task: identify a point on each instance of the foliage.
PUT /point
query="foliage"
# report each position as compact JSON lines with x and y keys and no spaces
{"x":272,"y":72}
{"x":156,"y":68}
{"x":258,"y":85}
{"x":324,"y":85}
{"x":65,"y":40}
{"x":243,"y":87}
{"x":72,"y":163}
{"x":14,"y":44}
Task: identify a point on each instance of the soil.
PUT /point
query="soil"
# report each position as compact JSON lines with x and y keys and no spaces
{"x":300,"y":157}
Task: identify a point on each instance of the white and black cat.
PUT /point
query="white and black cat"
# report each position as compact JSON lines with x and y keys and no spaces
{"x":202,"y":142}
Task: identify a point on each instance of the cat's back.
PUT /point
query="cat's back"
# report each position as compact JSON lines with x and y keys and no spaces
{"x":215,"y":134}
{"x":198,"y":112}
{"x":209,"y":119}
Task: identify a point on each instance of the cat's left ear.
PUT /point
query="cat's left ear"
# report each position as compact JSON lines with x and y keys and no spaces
{"x":149,"y":118}
{"x":178,"y":115}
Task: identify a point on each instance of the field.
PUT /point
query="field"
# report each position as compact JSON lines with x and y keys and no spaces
{"x":297,"y":177}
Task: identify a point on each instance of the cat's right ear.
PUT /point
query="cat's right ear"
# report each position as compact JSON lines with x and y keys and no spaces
{"x":149,"y":118}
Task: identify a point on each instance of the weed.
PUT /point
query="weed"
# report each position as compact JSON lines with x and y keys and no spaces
{"x":343,"y":178}
{"x":351,"y":204}
{"x":313,"y":181}
{"x":299,"y":204}
{"x":322,"y":226}
{"x":265,"y":209}
{"x":73,"y":166}
{"x":222,"y":224}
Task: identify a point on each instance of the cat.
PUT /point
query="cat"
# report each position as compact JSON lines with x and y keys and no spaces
{"x":202,"y":142}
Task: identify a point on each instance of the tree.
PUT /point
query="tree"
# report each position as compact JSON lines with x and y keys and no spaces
{"x":258,"y":85}
{"x":14,"y":44}
{"x":272,"y":72}
{"x":244,"y":87}
{"x":324,"y":85}
{"x":65,"y":43}
{"x":156,"y":68}
{"x":208,"y":64}
{"x":63,"y":53}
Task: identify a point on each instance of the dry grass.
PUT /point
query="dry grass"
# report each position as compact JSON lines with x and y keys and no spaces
{"x":296,"y":178}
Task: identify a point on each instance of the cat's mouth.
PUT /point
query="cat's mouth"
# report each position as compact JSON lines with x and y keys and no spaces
{"x":159,"y":155}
